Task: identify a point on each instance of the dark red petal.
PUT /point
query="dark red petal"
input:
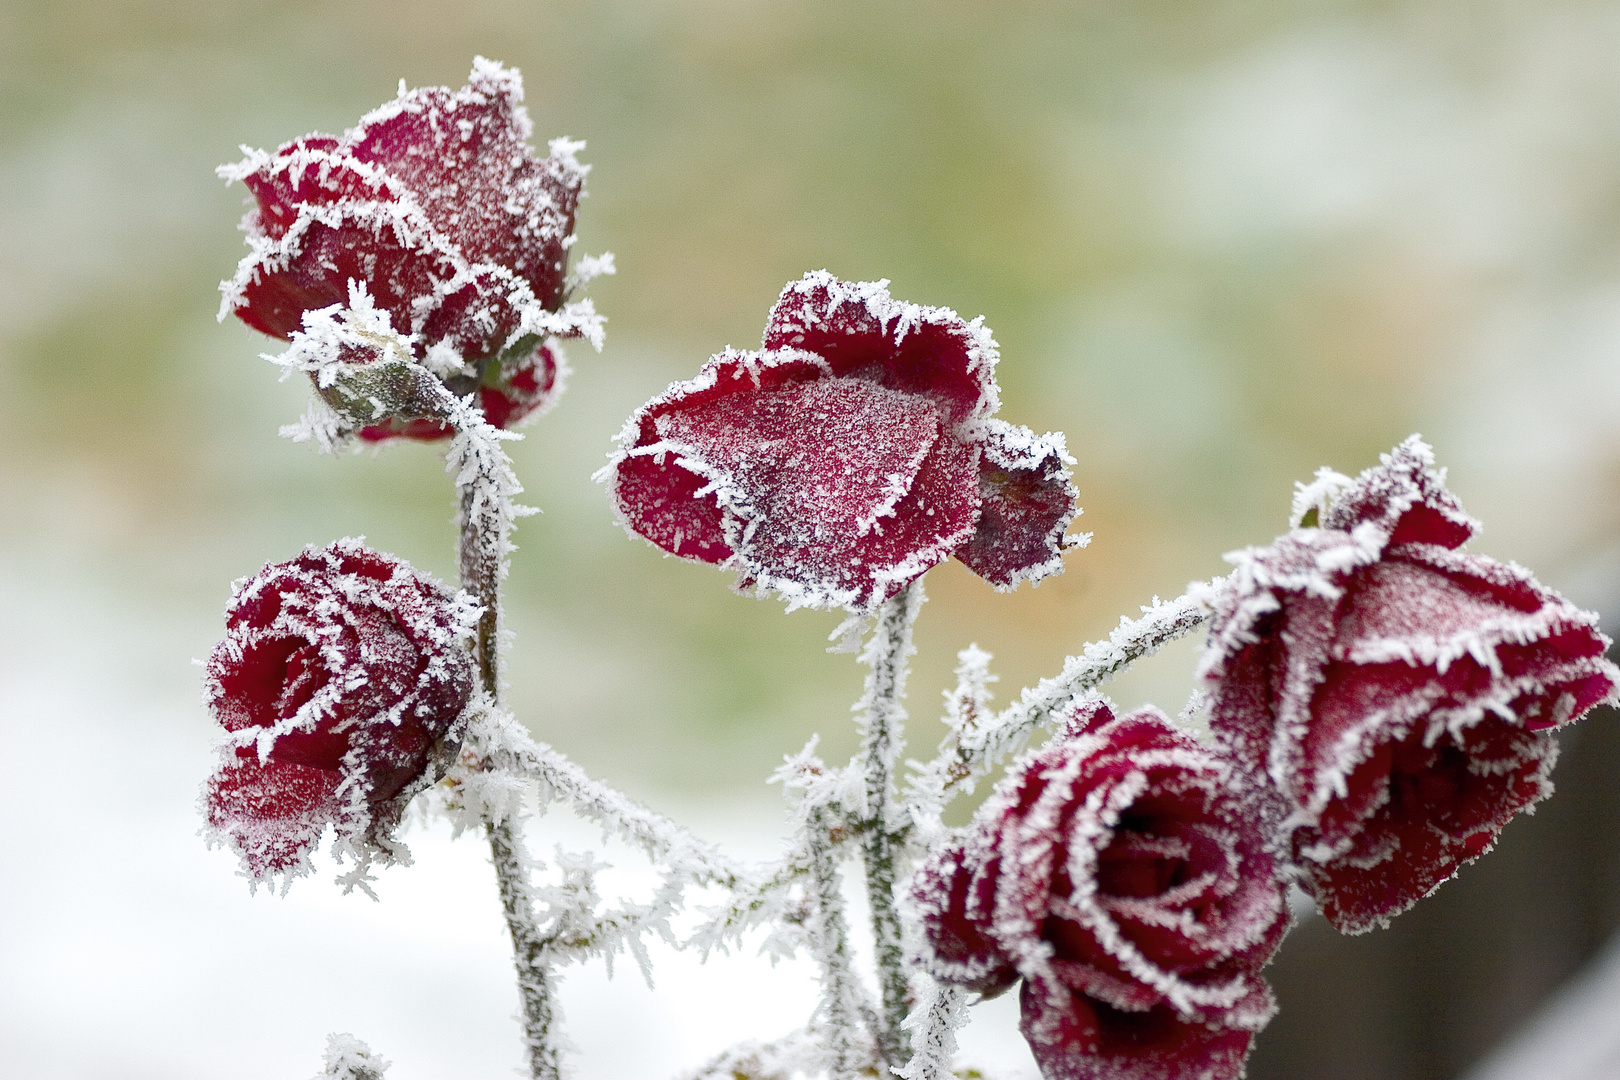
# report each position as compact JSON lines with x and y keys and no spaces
{"x":247,"y":678}
{"x":475,"y":317}
{"x":1406,"y":498}
{"x":465,"y":158}
{"x":273,"y":814}
{"x":861,"y":331}
{"x":659,"y":501}
{"x":1074,"y":1037}
{"x":1026,"y":502}
{"x":1397,"y":600}
{"x":421,"y":430}
{"x":955,"y":897}
{"x":1440,"y":807}
{"x":307,"y":171}
{"x":838,"y":485}
{"x":529,"y":387}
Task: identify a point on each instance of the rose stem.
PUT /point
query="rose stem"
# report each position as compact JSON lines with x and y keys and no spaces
{"x":933,"y":1038}
{"x":882,"y":717}
{"x":840,"y":994}
{"x":483,"y":482}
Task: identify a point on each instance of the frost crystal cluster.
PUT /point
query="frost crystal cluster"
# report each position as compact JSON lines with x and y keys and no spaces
{"x":1378,"y":702}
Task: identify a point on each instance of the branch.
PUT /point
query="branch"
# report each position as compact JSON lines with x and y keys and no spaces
{"x":882,"y":834}
{"x":978,"y":749}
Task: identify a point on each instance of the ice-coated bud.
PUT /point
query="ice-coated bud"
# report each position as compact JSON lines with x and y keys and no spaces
{"x":1395,"y":697}
{"x":1116,"y":872}
{"x":361,"y":368}
{"x":510,"y":394}
{"x":437,"y":207}
{"x":385,"y":388}
{"x":339,"y":672}
{"x":852,"y":453}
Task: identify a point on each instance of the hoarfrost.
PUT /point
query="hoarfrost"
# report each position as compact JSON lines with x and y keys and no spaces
{"x":348,"y":1058}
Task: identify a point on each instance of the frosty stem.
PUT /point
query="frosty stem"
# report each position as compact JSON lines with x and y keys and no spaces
{"x":534,"y":976}
{"x":840,"y":993}
{"x":485,"y":485}
{"x":933,"y":1032}
{"x":1132,"y":640}
{"x":882,"y":838}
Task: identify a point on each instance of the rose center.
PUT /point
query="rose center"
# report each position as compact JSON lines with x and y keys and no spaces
{"x":1139,"y":862}
{"x":305,"y":675}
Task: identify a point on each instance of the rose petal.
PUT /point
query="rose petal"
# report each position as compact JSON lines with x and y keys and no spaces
{"x":272,"y":815}
{"x":861,"y":331}
{"x":1027,"y":501}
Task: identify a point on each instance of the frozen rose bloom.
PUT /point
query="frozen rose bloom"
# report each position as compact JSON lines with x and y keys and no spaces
{"x":339,"y":672}
{"x":852,"y":453}
{"x":1395,"y":697}
{"x":434,"y":203}
{"x":1118,"y":872}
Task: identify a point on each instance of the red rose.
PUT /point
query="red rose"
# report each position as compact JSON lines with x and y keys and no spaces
{"x":1396,"y":696}
{"x":437,"y":205}
{"x":338,"y":673}
{"x":854,"y":452}
{"x":1119,"y":875}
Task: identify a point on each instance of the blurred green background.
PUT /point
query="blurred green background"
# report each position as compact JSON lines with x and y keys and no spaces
{"x":1220,"y":244}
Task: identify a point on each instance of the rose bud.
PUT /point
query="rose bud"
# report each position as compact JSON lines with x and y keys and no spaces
{"x":360,"y":367}
{"x":854,"y":452}
{"x":435,"y":204}
{"x":339,"y":673}
{"x":1395,"y":696}
{"x":1118,"y":874}
{"x":507,"y":397}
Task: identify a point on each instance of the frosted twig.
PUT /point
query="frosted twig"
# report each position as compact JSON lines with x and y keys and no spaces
{"x":660,"y":838}
{"x":841,"y":994}
{"x":978,"y":749}
{"x":882,"y":831}
{"x":485,"y":486}
{"x":348,"y":1058}
{"x":952,"y":769}
{"x":933,"y":1025}
{"x":528,"y":950}
{"x":753,"y":903}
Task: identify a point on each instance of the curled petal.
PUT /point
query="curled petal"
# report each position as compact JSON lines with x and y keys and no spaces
{"x":1027,"y":502}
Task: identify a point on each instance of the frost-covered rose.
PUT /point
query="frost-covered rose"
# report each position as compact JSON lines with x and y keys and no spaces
{"x":1395,"y":696}
{"x":436,"y":205}
{"x":1118,"y":874}
{"x":852,"y":453}
{"x":339,"y":672}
